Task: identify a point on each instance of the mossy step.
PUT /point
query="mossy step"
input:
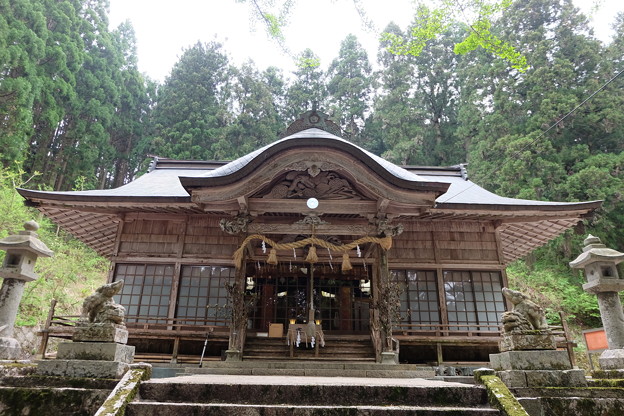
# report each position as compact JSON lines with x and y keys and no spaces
{"x":36,"y":381}
{"x":178,"y":409}
{"x":606,"y":382}
{"x":60,"y":401}
{"x":207,"y":389}
{"x":563,"y":392}
{"x":577,"y":406}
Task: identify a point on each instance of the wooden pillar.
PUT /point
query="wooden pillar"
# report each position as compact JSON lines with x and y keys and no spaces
{"x":374,"y":321}
{"x":346,"y":308}
{"x":238,"y":325}
{"x":268,"y":307}
{"x":442,"y":301}
{"x":385,"y":303}
{"x":176,"y":348}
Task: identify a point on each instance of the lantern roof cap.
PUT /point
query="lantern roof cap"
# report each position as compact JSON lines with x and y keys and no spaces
{"x":26,"y":240}
{"x":594,"y":251}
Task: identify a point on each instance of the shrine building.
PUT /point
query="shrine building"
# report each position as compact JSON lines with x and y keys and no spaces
{"x":309,"y":236}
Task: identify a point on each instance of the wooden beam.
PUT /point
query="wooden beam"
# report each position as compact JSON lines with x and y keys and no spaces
{"x":480,"y":264}
{"x":213,"y":260}
{"x":298,"y":206}
{"x":323,"y":229}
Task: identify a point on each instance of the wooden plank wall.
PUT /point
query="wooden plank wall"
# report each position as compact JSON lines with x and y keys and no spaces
{"x":200,"y":237}
{"x":446,"y":242}
{"x":174,"y":237}
{"x":204,"y":238}
{"x":151,"y":237}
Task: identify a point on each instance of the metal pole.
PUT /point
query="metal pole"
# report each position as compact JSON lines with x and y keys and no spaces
{"x":204,"y":349}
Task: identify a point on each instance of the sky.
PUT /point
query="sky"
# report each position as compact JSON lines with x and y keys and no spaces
{"x":164,"y":28}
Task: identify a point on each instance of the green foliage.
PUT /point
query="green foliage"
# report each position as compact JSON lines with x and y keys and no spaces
{"x":74,"y":271}
{"x":556,"y":287}
{"x":306,"y":60}
{"x":430,"y":24}
{"x":349,"y":87}
{"x":307,"y":87}
{"x":481,"y":36}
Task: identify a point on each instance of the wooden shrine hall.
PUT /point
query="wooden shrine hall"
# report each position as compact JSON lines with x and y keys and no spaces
{"x":309,"y":237}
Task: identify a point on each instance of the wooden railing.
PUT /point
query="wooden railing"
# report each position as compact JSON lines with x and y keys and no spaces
{"x":441,"y":330}
{"x":458,"y":334}
{"x":176,"y":329}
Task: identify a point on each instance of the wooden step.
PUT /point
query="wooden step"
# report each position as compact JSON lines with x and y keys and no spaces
{"x":338,"y":348}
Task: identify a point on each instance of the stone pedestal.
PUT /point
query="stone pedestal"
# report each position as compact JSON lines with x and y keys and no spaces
{"x":98,"y":350}
{"x":547,"y":368}
{"x":233,"y":355}
{"x":389,"y":357}
{"x":95,"y":351}
{"x":82,"y":368}
{"x":10,"y":349}
{"x":101,"y":332}
{"x":612,"y":359}
{"x":535,"y":340}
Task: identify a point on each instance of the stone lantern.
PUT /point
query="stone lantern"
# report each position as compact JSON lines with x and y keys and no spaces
{"x":599,"y":264}
{"x":17,"y":268}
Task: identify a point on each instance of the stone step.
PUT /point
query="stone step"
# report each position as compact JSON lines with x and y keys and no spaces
{"x":59,"y":401}
{"x":60,"y":382}
{"x":577,"y":406}
{"x":599,"y":392}
{"x":311,"y":364}
{"x":311,"y":391}
{"x":201,"y":409}
{"x":314,"y":368}
{"x":314,"y":372}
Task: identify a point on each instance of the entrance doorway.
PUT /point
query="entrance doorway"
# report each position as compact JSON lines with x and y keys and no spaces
{"x":281,"y":293}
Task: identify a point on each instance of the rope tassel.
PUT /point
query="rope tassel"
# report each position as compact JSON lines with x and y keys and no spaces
{"x":346,"y":263}
{"x":272,"y":257}
{"x":312,"y":257}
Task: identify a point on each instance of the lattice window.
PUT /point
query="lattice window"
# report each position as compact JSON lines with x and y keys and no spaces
{"x":473,"y":298}
{"x":146,"y":291}
{"x":202,"y":295}
{"x":419,"y":299}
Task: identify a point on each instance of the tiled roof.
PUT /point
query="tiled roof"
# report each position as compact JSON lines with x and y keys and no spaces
{"x":164,"y":183}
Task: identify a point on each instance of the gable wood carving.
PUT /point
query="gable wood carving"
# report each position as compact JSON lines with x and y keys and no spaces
{"x":313,"y":166}
{"x":259,"y":182}
{"x":312,"y":183}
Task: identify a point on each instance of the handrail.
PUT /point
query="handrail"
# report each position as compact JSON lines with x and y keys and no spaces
{"x":137,"y":320}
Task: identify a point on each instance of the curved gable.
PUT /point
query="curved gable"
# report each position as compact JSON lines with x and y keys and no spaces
{"x":312,"y":163}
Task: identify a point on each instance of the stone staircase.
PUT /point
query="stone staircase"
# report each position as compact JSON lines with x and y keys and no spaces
{"x":337,"y":348}
{"x":306,"y":396}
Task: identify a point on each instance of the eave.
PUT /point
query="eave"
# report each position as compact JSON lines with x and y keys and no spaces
{"x":242,"y":168}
